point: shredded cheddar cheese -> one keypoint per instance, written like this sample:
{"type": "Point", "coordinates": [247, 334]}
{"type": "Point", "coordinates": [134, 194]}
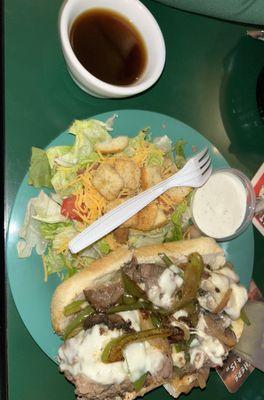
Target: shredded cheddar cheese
{"type": "Point", "coordinates": [89, 203]}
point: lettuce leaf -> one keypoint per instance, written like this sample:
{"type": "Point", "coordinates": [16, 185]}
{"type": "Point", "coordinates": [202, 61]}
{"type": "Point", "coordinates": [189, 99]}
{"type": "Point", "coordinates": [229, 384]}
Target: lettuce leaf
{"type": "Point", "coordinates": [176, 218]}
{"type": "Point", "coordinates": [39, 209]}
{"type": "Point", "coordinates": [65, 265]}
{"type": "Point", "coordinates": [30, 235]}
{"type": "Point", "coordinates": [39, 171]}
{"type": "Point", "coordinates": [55, 263]}
{"type": "Point", "coordinates": [49, 231]}
{"type": "Point", "coordinates": [155, 158]}
{"type": "Point", "coordinates": [109, 123]}
{"type": "Point", "coordinates": [102, 247]}
{"type": "Point", "coordinates": [56, 152]}
{"type": "Point", "coordinates": [143, 134]}
{"type": "Point", "coordinates": [61, 179]}
{"type": "Point", "coordinates": [63, 236]}
{"type": "Point", "coordinates": [93, 129]}
{"type": "Point", "coordinates": [47, 210]}
{"type": "Point", "coordinates": [163, 143]}
{"type": "Point", "coordinates": [177, 215]}
{"type": "Point", "coordinates": [139, 239]}
{"type": "Point", "coordinates": [180, 158]}
{"type": "Point", "coordinates": [87, 132]}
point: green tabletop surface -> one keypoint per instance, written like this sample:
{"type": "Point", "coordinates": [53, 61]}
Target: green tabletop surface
{"type": "Point", "coordinates": [209, 83]}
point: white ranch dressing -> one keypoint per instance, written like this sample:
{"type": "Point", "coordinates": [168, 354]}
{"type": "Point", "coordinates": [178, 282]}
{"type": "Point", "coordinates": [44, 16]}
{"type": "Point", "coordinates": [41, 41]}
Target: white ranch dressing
{"type": "Point", "coordinates": [219, 206]}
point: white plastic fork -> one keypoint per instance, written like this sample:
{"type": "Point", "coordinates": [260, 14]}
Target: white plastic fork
{"type": "Point", "coordinates": [194, 173]}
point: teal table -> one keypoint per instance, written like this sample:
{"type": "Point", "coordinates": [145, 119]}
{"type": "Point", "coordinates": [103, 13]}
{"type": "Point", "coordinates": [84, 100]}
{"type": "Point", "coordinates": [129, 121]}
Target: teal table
{"type": "Point", "coordinates": [209, 82]}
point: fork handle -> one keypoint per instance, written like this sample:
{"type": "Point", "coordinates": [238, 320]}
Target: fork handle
{"type": "Point", "coordinates": [114, 218]}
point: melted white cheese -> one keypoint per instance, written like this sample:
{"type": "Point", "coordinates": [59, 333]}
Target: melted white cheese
{"type": "Point", "coordinates": [237, 301]}
{"type": "Point", "coordinates": [208, 347]}
{"type": "Point", "coordinates": [168, 282]}
{"type": "Point", "coordinates": [142, 358]}
{"type": "Point", "coordinates": [180, 313]}
{"type": "Point", "coordinates": [82, 355]}
{"type": "Point", "coordinates": [215, 286]}
{"type": "Point", "coordinates": [223, 280]}
{"type": "Point", "coordinates": [219, 206]}
{"type": "Point", "coordinates": [132, 316]}
{"type": "Point", "coordinates": [197, 357]}
{"type": "Point", "coordinates": [229, 273]}
{"type": "Point", "coordinates": [178, 359]}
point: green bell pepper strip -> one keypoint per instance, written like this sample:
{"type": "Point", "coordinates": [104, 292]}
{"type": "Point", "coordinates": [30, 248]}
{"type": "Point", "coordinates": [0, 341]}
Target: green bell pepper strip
{"type": "Point", "coordinates": [167, 261]}
{"type": "Point", "coordinates": [156, 320]}
{"type": "Point", "coordinates": [191, 281]}
{"type": "Point", "coordinates": [77, 322]}
{"type": "Point", "coordinates": [139, 305]}
{"type": "Point", "coordinates": [113, 351]}
{"type": "Point", "coordinates": [73, 307]}
{"type": "Point", "coordinates": [139, 383]}
{"type": "Point", "coordinates": [125, 307]}
{"type": "Point", "coordinates": [128, 299]}
{"type": "Point", "coordinates": [132, 288]}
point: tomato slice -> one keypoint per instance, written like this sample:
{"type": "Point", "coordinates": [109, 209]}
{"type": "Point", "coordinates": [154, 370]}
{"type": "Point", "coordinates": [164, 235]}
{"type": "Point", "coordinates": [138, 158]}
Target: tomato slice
{"type": "Point", "coordinates": [68, 208]}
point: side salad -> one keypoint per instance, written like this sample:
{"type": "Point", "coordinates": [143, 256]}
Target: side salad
{"type": "Point", "coordinates": [81, 182]}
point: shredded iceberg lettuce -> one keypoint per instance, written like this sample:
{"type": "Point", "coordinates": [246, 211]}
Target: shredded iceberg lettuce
{"type": "Point", "coordinates": [180, 158]}
{"type": "Point", "coordinates": [87, 132]}
{"type": "Point", "coordinates": [49, 231]}
{"type": "Point", "coordinates": [163, 143]}
{"type": "Point", "coordinates": [47, 210]}
{"type": "Point", "coordinates": [39, 171]}
{"type": "Point", "coordinates": [176, 218]}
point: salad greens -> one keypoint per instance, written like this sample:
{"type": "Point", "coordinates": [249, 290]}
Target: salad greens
{"type": "Point", "coordinates": [180, 158]}
{"type": "Point", "coordinates": [51, 220]}
{"type": "Point", "coordinates": [39, 170]}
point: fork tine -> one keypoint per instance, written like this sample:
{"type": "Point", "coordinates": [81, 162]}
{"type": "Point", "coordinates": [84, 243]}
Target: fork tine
{"type": "Point", "coordinates": [193, 162]}
{"type": "Point", "coordinates": [200, 176]}
{"type": "Point", "coordinates": [198, 172]}
{"type": "Point", "coordinates": [206, 167]}
{"type": "Point", "coordinates": [198, 182]}
{"type": "Point", "coordinates": [199, 156]}
{"type": "Point", "coordinates": [206, 176]}
{"type": "Point", "coordinates": [204, 155]}
{"type": "Point", "coordinates": [205, 161]}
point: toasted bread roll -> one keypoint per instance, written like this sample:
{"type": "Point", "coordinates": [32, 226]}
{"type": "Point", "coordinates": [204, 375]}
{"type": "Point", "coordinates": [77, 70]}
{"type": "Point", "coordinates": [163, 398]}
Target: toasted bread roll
{"type": "Point", "coordinates": [103, 269]}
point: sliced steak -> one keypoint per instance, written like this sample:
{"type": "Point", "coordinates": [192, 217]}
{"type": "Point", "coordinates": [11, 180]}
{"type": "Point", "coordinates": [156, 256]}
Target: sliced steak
{"type": "Point", "coordinates": [147, 274]}
{"type": "Point", "coordinates": [103, 297]}
{"type": "Point", "coordinates": [89, 390]}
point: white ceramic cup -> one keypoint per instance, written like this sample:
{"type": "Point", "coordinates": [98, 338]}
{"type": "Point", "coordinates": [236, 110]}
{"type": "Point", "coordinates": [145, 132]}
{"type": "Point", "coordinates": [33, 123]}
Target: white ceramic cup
{"type": "Point", "coordinates": [145, 23]}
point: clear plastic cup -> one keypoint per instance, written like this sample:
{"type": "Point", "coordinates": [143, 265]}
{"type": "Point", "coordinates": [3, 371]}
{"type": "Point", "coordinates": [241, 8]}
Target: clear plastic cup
{"type": "Point", "coordinates": [249, 209]}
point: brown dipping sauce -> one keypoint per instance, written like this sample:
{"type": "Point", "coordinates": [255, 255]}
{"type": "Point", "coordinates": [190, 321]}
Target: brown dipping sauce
{"type": "Point", "coordinates": [108, 46]}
